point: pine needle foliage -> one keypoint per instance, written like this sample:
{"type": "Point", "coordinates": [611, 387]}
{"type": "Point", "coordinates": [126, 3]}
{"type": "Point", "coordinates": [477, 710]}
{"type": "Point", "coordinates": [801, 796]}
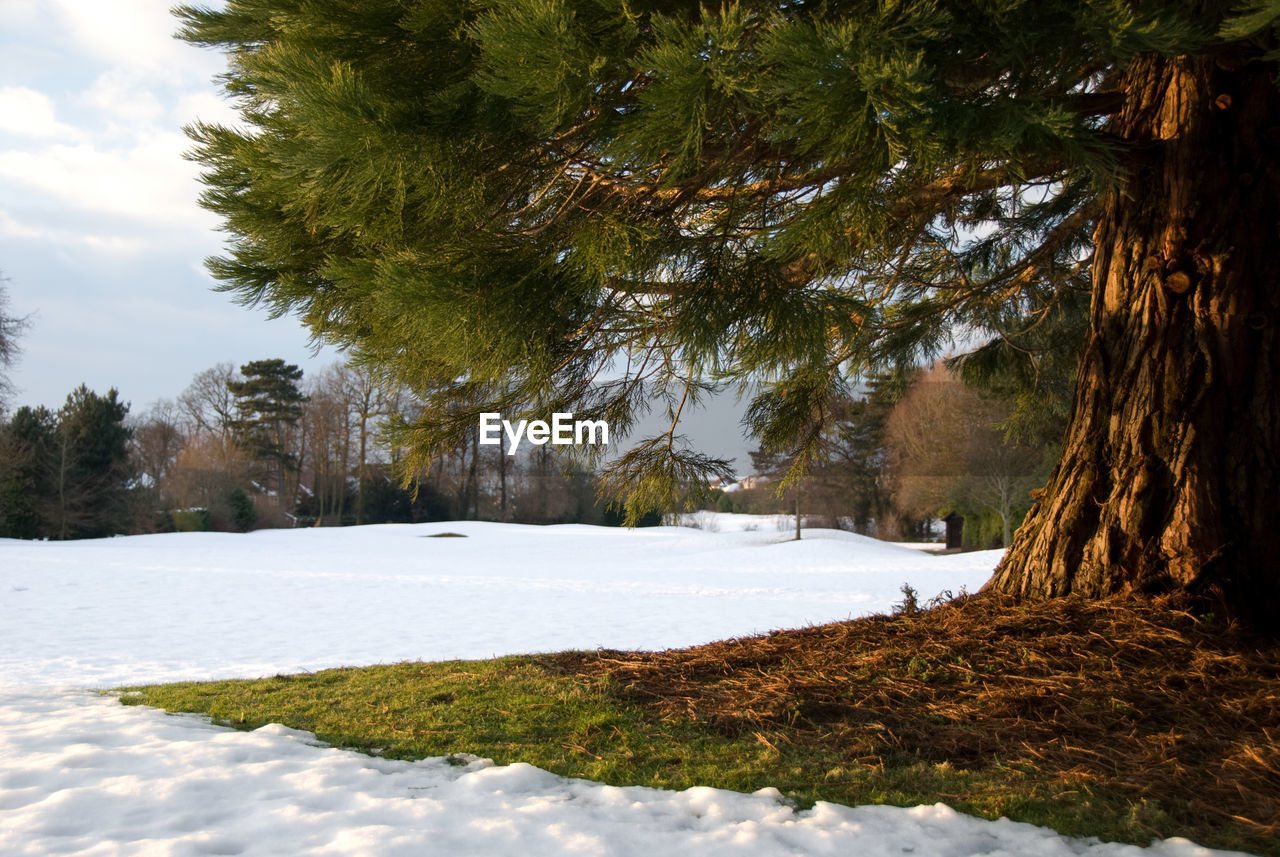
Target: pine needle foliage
{"type": "Point", "coordinates": [605, 206]}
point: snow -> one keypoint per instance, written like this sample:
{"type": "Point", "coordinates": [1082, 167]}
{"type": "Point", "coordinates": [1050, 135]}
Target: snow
{"type": "Point", "coordinates": [82, 774]}
{"type": "Point", "coordinates": [220, 605]}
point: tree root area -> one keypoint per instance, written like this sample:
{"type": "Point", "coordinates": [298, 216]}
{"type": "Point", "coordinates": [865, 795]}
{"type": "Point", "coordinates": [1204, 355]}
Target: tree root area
{"type": "Point", "coordinates": [1142, 696]}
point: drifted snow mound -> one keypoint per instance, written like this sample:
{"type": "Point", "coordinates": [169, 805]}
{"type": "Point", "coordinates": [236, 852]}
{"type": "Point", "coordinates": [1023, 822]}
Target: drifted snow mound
{"type": "Point", "coordinates": [85, 775]}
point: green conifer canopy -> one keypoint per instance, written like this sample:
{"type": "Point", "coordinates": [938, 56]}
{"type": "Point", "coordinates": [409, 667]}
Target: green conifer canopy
{"type": "Point", "coordinates": [597, 206]}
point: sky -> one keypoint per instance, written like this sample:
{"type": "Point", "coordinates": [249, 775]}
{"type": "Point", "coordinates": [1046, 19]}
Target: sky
{"type": "Point", "coordinates": [101, 239]}
{"type": "Point", "coordinates": [102, 242]}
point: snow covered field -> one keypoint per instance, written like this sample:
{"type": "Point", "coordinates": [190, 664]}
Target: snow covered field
{"type": "Point", "coordinates": [81, 774]}
{"type": "Point", "coordinates": [213, 605]}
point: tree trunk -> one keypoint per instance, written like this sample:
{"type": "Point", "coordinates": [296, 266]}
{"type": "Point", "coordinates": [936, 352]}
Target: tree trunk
{"type": "Point", "coordinates": [502, 485]}
{"type": "Point", "coordinates": [63, 466]}
{"type": "Point", "coordinates": [1004, 494]}
{"type": "Point", "coordinates": [1170, 472]}
{"type": "Point", "coordinates": [364, 455]}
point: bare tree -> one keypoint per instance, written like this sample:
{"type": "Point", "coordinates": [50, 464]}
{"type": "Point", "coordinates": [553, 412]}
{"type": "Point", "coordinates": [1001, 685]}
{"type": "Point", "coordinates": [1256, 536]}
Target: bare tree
{"type": "Point", "coordinates": [1001, 474]}
{"type": "Point", "coordinates": [208, 404]}
{"type": "Point", "coordinates": [11, 327]}
{"type": "Point", "coordinates": [326, 421]}
{"type": "Point", "coordinates": [949, 453]}
{"type": "Point", "coordinates": [204, 472]}
{"type": "Point", "coordinates": [925, 439]}
{"type": "Point", "coordinates": [156, 441]}
{"type": "Point", "coordinates": [158, 438]}
{"type": "Point", "coordinates": [368, 398]}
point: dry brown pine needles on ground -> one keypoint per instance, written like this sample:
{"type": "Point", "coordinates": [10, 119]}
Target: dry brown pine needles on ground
{"type": "Point", "coordinates": [1142, 695]}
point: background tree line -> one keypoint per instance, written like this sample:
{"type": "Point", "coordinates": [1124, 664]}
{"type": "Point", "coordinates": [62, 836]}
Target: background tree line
{"type": "Point", "coordinates": [918, 444]}
{"type": "Point", "coordinates": [260, 446]}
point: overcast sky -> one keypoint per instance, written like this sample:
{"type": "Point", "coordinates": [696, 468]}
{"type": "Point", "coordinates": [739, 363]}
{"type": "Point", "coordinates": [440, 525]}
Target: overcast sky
{"type": "Point", "coordinates": [101, 240]}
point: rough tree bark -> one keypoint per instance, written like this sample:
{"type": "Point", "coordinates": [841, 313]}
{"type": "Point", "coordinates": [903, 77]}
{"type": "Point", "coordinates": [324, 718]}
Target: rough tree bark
{"type": "Point", "coordinates": [1170, 473]}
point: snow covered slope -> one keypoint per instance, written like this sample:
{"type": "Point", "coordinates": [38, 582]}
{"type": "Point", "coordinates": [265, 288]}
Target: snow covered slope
{"type": "Point", "coordinates": [213, 605]}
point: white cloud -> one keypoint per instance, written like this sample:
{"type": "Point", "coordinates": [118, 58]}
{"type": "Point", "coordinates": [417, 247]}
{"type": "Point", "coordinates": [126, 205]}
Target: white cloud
{"type": "Point", "coordinates": [91, 153]}
{"type": "Point", "coordinates": [97, 202]}
{"type": "Point", "coordinates": [12, 227]}
{"type": "Point", "coordinates": [26, 112]}
{"type": "Point", "coordinates": [133, 34]}
{"type": "Point", "coordinates": [113, 243]}
{"type": "Point", "coordinates": [149, 181]}
{"type": "Point", "coordinates": [123, 98]}
{"type": "Point", "coordinates": [207, 107]}
{"type": "Point", "coordinates": [14, 13]}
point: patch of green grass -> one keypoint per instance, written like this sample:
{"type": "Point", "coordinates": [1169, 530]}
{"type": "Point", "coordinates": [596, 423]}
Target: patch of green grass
{"type": "Point", "coordinates": [529, 710]}
{"type": "Point", "coordinates": [508, 709]}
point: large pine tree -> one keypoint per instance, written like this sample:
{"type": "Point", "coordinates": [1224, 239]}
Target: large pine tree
{"type": "Point", "coordinates": [66, 475]}
{"type": "Point", "coordinates": [90, 469]}
{"type": "Point", "coordinates": [598, 205]}
{"type": "Point", "coordinates": [268, 402]}
{"type": "Point", "coordinates": [27, 442]}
